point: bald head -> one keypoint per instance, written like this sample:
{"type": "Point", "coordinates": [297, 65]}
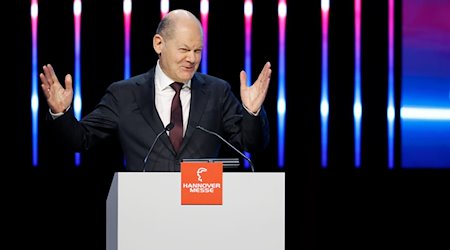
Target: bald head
{"type": "Point", "coordinates": [178, 42]}
{"type": "Point", "coordinates": [172, 20]}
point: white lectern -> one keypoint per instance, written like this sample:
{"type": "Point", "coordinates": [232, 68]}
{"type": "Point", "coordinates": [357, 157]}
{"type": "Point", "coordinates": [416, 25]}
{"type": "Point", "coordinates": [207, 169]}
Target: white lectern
{"type": "Point", "coordinates": [144, 211]}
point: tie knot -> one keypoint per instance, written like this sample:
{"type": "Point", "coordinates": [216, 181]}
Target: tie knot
{"type": "Point", "coordinates": [176, 86]}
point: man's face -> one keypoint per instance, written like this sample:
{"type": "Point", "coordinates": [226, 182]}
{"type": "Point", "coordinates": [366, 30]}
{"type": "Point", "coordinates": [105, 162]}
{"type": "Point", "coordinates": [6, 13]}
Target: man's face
{"type": "Point", "coordinates": [180, 54]}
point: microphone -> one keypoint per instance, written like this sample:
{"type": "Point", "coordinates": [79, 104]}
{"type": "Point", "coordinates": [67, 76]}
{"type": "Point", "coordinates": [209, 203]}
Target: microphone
{"type": "Point", "coordinates": [167, 128]}
{"type": "Point", "coordinates": [229, 144]}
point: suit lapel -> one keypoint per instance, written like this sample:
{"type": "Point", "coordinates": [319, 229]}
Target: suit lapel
{"type": "Point", "coordinates": [145, 96]}
{"type": "Point", "coordinates": [199, 100]}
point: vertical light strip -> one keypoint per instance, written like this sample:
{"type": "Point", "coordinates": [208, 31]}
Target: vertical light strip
{"type": "Point", "coordinates": [416, 113]}
{"type": "Point", "coordinates": [77, 70]}
{"type": "Point", "coordinates": [127, 5]}
{"type": "Point", "coordinates": [204, 12]}
{"type": "Point", "coordinates": [248, 14]}
{"type": "Point", "coordinates": [127, 8]}
{"type": "Point", "coordinates": [34, 82]}
{"type": "Point", "coordinates": [324, 103]}
{"type": "Point", "coordinates": [281, 102]}
{"type": "Point", "coordinates": [357, 109]}
{"type": "Point", "coordinates": [391, 103]}
{"type": "Point", "coordinates": [164, 5]}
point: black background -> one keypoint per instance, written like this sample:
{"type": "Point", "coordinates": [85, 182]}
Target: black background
{"type": "Point", "coordinates": [59, 206]}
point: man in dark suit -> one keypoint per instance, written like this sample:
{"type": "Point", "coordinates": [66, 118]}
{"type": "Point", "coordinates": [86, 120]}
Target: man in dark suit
{"type": "Point", "coordinates": [138, 109]}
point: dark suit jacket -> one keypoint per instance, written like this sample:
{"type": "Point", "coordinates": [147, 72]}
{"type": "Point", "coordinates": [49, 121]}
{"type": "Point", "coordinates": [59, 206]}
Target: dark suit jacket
{"type": "Point", "coordinates": [128, 110]}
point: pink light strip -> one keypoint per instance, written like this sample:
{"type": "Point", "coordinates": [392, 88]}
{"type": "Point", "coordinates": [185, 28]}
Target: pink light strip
{"type": "Point", "coordinates": [204, 12]}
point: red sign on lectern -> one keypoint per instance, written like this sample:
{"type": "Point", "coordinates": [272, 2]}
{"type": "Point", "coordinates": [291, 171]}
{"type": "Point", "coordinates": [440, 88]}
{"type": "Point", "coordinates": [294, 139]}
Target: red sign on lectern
{"type": "Point", "coordinates": [201, 183]}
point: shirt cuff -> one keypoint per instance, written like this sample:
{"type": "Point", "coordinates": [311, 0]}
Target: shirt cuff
{"type": "Point", "coordinates": [252, 113]}
{"type": "Point", "coordinates": [56, 115]}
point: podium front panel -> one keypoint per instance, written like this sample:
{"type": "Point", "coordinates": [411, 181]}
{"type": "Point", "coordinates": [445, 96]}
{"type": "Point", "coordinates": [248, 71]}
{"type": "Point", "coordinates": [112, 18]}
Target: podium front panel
{"type": "Point", "coordinates": [144, 211]}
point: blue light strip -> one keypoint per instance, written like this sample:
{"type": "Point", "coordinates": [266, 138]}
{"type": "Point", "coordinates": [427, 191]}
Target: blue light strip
{"type": "Point", "coordinates": [357, 107]}
{"type": "Point", "coordinates": [281, 103]}
{"type": "Point", "coordinates": [34, 82]}
{"type": "Point", "coordinates": [127, 9]}
{"type": "Point", "coordinates": [324, 103]}
{"type": "Point", "coordinates": [77, 74]}
{"type": "Point", "coordinates": [391, 92]}
{"type": "Point", "coordinates": [127, 5]}
{"type": "Point", "coordinates": [248, 13]}
{"type": "Point", "coordinates": [204, 12]}
{"type": "Point", "coordinates": [416, 113]}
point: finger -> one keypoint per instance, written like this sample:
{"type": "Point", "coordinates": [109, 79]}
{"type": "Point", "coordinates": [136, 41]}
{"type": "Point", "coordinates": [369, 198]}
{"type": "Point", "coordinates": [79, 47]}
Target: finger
{"type": "Point", "coordinates": [45, 87]}
{"type": "Point", "coordinates": [243, 78]}
{"type": "Point", "coordinates": [262, 75]}
{"type": "Point", "coordinates": [43, 80]}
{"type": "Point", "coordinates": [52, 74]}
{"type": "Point", "coordinates": [47, 74]}
{"type": "Point", "coordinates": [68, 82]}
{"type": "Point", "coordinates": [267, 71]}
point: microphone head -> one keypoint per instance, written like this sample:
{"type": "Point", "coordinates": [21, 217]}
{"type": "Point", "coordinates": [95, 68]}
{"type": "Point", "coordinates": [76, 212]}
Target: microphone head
{"type": "Point", "coordinates": [169, 126]}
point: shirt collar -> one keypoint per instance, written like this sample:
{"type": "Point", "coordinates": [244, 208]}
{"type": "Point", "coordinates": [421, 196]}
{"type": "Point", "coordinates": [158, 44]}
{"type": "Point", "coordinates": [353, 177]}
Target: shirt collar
{"type": "Point", "coordinates": [162, 81]}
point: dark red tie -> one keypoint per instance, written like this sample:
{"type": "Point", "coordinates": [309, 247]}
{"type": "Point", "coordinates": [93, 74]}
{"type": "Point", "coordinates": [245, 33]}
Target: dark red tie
{"type": "Point", "coordinates": [176, 117]}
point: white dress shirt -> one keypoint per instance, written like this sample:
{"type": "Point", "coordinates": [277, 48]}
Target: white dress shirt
{"type": "Point", "coordinates": [164, 95]}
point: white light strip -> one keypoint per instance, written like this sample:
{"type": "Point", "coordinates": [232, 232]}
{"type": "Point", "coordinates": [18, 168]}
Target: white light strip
{"type": "Point", "coordinates": [425, 114]}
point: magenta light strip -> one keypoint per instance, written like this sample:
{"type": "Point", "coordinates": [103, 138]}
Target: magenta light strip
{"type": "Point", "coordinates": [357, 108]}
{"type": "Point", "coordinates": [127, 5]}
{"type": "Point", "coordinates": [34, 82]}
{"type": "Point", "coordinates": [164, 5]}
{"type": "Point", "coordinates": [204, 12]}
{"type": "Point", "coordinates": [391, 92]}
{"type": "Point", "coordinates": [77, 65]}
{"type": "Point", "coordinates": [281, 102]}
{"type": "Point", "coordinates": [324, 101]}
{"type": "Point", "coordinates": [248, 14]}
{"type": "Point", "coordinates": [127, 8]}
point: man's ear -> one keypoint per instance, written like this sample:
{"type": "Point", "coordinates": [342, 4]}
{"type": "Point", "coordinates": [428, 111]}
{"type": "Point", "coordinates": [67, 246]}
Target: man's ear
{"type": "Point", "coordinates": [157, 43]}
